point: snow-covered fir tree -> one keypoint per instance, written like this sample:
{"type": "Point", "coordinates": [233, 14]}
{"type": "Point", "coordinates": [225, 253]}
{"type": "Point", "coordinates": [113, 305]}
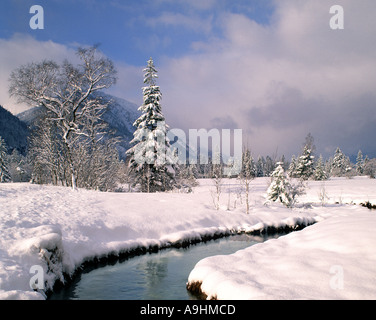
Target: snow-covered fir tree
{"type": "Point", "coordinates": [320, 173]}
{"type": "Point", "coordinates": [260, 167]}
{"type": "Point", "coordinates": [151, 162]}
{"type": "Point", "coordinates": [292, 167]}
{"type": "Point", "coordinates": [305, 164]}
{"type": "Point", "coordinates": [340, 164]}
{"type": "Point", "coordinates": [370, 167]}
{"type": "Point", "coordinates": [4, 172]}
{"type": "Point", "coordinates": [279, 189]}
{"type": "Point", "coordinates": [360, 163]}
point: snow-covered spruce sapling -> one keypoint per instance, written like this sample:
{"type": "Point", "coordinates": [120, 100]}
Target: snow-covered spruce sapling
{"type": "Point", "coordinates": [282, 190]}
{"type": "Point", "coordinates": [4, 172]}
{"type": "Point", "coordinates": [320, 173]}
{"type": "Point", "coordinates": [292, 167]}
{"type": "Point", "coordinates": [279, 188]}
{"type": "Point", "coordinates": [151, 162]}
{"type": "Point", "coordinates": [305, 164]}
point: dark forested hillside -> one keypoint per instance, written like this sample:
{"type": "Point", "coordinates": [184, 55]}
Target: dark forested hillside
{"type": "Point", "coordinates": [13, 131]}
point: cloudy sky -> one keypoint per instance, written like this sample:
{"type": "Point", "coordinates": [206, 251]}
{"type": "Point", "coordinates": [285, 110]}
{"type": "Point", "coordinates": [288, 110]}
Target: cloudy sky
{"type": "Point", "coordinates": [273, 68]}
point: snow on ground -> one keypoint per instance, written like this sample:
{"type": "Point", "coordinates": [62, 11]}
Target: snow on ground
{"type": "Point", "coordinates": [333, 259]}
{"type": "Point", "coordinates": [59, 229]}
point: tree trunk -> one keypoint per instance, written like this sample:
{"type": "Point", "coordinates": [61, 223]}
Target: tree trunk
{"type": "Point", "coordinates": [246, 195]}
{"type": "Point", "coordinates": [71, 164]}
{"type": "Point", "coordinates": [73, 178]}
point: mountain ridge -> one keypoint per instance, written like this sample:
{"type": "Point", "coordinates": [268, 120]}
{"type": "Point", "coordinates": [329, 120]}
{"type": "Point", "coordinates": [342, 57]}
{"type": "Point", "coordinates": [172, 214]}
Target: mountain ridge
{"type": "Point", "coordinates": [119, 115]}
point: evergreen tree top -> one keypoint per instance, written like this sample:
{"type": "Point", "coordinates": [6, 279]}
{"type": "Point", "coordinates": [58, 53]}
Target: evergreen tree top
{"type": "Point", "coordinates": [150, 73]}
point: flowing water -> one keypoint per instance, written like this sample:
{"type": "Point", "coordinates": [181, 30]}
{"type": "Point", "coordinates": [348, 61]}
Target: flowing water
{"type": "Point", "coordinates": [162, 275]}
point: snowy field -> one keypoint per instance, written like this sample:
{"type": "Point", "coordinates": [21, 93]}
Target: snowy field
{"type": "Point", "coordinates": [333, 259]}
{"type": "Point", "coordinates": [59, 229]}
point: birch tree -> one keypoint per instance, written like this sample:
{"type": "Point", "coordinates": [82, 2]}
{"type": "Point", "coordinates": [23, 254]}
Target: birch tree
{"type": "Point", "coordinates": [247, 174]}
{"type": "Point", "coordinates": [66, 92]}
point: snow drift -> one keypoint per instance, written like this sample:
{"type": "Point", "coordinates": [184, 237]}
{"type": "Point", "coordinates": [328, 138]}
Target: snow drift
{"type": "Point", "coordinates": [60, 229]}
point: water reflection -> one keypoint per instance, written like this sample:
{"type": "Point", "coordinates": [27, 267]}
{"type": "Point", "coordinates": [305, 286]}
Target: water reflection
{"type": "Point", "coordinates": [161, 275]}
{"type": "Point", "coordinates": [154, 273]}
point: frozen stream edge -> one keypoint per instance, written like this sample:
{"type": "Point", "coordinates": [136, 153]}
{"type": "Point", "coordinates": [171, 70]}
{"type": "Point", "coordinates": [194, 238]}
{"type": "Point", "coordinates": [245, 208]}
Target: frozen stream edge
{"type": "Point", "coordinates": [64, 279]}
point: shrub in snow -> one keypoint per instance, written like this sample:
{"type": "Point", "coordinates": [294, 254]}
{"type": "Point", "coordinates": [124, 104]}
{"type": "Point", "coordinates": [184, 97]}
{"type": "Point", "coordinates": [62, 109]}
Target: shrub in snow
{"type": "Point", "coordinates": [20, 167]}
{"type": "Point", "coordinates": [186, 174]}
{"type": "Point", "coordinates": [370, 167]}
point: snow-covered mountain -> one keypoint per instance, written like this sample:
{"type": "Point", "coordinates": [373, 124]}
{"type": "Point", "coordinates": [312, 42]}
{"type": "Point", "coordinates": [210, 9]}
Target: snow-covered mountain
{"type": "Point", "coordinates": [120, 116]}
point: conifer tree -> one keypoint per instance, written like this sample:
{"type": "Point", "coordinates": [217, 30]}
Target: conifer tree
{"type": "Point", "coordinates": [279, 189]}
{"type": "Point", "coordinates": [320, 173]}
{"type": "Point", "coordinates": [151, 161]}
{"type": "Point", "coordinates": [360, 163]}
{"type": "Point", "coordinates": [304, 167]}
{"type": "Point", "coordinates": [292, 167]}
{"type": "Point", "coordinates": [259, 167]}
{"type": "Point", "coordinates": [340, 164]}
{"type": "Point", "coordinates": [4, 172]}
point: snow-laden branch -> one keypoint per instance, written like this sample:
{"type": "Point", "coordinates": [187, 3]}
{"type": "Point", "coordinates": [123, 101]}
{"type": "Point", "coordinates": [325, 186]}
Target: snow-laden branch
{"type": "Point", "coordinates": [66, 92]}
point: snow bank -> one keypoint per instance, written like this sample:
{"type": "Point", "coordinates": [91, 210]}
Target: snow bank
{"type": "Point", "coordinates": [59, 229]}
{"type": "Point", "coordinates": [334, 259]}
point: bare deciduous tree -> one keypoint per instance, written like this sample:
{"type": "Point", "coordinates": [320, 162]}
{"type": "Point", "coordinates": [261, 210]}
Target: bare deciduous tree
{"type": "Point", "coordinates": [67, 93]}
{"type": "Point", "coordinates": [247, 174]}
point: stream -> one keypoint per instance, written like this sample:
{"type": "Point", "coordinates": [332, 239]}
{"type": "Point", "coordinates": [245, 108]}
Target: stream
{"type": "Point", "coordinates": [152, 276]}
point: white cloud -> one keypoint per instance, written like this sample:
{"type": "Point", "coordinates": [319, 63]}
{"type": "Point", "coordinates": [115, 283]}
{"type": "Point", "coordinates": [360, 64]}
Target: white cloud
{"type": "Point", "coordinates": [20, 50]}
{"type": "Point", "coordinates": [276, 81]}
{"type": "Point", "coordinates": [294, 68]}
